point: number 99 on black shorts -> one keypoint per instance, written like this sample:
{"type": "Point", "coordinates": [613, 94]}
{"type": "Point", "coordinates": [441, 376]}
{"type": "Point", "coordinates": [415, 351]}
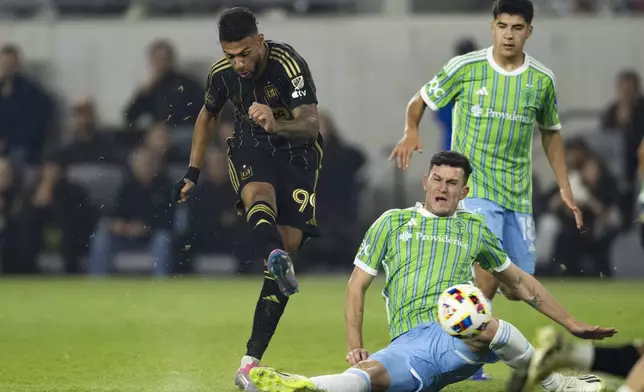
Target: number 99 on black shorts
{"type": "Point", "coordinates": [294, 184]}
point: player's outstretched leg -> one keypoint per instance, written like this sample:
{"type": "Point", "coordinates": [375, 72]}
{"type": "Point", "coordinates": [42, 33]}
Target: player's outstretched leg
{"type": "Point", "coordinates": [270, 380]}
{"type": "Point", "coordinates": [278, 285]}
{"type": "Point", "coordinates": [509, 344]}
{"type": "Point", "coordinates": [554, 352]}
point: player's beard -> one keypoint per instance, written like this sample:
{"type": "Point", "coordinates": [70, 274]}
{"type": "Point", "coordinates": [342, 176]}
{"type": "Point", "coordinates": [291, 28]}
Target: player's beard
{"type": "Point", "coordinates": [258, 67]}
{"type": "Point", "coordinates": [255, 72]}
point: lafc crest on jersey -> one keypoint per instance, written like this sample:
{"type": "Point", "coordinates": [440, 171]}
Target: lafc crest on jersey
{"type": "Point", "coordinates": [271, 92]}
{"type": "Point", "coordinates": [246, 172]}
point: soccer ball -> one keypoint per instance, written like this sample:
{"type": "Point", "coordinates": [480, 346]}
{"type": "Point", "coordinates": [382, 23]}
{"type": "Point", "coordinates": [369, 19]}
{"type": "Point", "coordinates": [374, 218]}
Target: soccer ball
{"type": "Point", "coordinates": [463, 311]}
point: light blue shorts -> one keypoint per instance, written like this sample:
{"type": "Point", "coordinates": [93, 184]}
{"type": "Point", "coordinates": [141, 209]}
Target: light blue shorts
{"type": "Point", "coordinates": [515, 231]}
{"type": "Point", "coordinates": [428, 359]}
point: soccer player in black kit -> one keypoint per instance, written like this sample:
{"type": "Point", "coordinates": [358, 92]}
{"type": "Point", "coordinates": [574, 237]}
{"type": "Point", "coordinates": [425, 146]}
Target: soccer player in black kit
{"type": "Point", "coordinates": [274, 157]}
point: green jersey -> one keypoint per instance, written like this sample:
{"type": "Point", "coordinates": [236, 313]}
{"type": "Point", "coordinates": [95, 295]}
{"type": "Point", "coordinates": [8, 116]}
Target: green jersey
{"type": "Point", "coordinates": [493, 121]}
{"type": "Point", "coordinates": [422, 255]}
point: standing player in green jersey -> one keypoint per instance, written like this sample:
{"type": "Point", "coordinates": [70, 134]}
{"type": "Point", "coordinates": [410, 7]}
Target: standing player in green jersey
{"type": "Point", "coordinates": [499, 93]}
{"type": "Point", "coordinates": [423, 250]}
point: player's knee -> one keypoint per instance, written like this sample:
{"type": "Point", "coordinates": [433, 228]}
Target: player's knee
{"type": "Point", "coordinates": [258, 191]}
{"type": "Point", "coordinates": [378, 375]}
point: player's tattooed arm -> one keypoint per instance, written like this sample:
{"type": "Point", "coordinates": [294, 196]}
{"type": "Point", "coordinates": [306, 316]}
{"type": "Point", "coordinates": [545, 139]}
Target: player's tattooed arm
{"type": "Point", "coordinates": [534, 299]}
{"type": "Point", "coordinates": [305, 122]}
{"type": "Point", "coordinates": [525, 287]}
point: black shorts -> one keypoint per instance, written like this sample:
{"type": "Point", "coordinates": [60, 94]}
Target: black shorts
{"type": "Point", "coordinates": [294, 185]}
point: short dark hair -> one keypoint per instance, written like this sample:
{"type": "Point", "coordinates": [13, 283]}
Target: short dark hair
{"type": "Point", "coordinates": [523, 8]}
{"type": "Point", "coordinates": [453, 159]}
{"type": "Point", "coordinates": [236, 23]}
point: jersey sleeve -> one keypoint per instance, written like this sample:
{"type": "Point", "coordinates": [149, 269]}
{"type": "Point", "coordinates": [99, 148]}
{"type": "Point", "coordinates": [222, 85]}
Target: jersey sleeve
{"type": "Point", "coordinates": [300, 88]}
{"type": "Point", "coordinates": [548, 115]}
{"type": "Point", "coordinates": [491, 256]}
{"type": "Point", "coordinates": [444, 87]}
{"type": "Point", "coordinates": [374, 245]}
{"type": "Point", "coordinates": [216, 90]}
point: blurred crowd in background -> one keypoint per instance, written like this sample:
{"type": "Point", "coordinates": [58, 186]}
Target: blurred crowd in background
{"type": "Point", "coordinates": [80, 197]}
{"type": "Point", "coordinates": [138, 8]}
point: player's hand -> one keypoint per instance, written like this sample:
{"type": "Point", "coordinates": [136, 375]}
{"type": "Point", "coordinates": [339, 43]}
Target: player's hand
{"type": "Point", "coordinates": [356, 355]}
{"type": "Point", "coordinates": [262, 115]}
{"type": "Point", "coordinates": [569, 201]}
{"type": "Point", "coordinates": [586, 331]}
{"type": "Point", "coordinates": [182, 187]}
{"type": "Point", "coordinates": [405, 148]}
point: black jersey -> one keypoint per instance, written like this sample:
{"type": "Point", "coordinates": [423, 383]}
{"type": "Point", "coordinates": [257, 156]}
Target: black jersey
{"type": "Point", "coordinates": [285, 84]}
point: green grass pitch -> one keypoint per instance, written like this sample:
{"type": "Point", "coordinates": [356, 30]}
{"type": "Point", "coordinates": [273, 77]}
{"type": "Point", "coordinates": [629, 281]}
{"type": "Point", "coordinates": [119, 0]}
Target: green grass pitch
{"type": "Point", "coordinates": [189, 334]}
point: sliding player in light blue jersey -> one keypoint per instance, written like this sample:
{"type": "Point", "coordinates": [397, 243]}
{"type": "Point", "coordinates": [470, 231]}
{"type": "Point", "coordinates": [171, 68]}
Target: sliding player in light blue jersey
{"type": "Point", "coordinates": [423, 250]}
{"type": "Point", "coordinates": [499, 95]}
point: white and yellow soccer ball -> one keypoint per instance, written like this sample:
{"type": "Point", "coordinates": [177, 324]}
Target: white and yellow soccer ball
{"type": "Point", "coordinates": [463, 311]}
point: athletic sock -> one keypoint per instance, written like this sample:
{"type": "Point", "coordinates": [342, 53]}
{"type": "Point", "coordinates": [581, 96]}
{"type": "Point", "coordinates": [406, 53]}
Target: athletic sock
{"type": "Point", "coordinates": [261, 218]}
{"type": "Point", "coordinates": [268, 311]}
{"type": "Point", "coordinates": [582, 356]}
{"type": "Point", "coordinates": [353, 380]}
{"type": "Point", "coordinates": [617, 361]}
{"type": "Point", "coordinates": [246, 360]}
{"type": "Point", "coordinates": [514, 350]}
